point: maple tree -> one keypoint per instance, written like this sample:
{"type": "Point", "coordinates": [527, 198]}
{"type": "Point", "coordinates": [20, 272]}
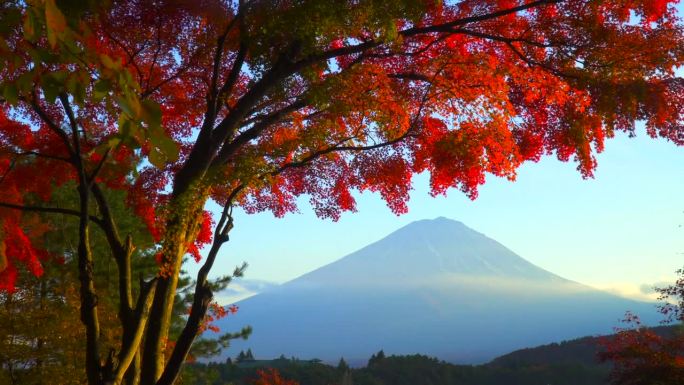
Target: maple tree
{"type": "Point", "coordinates": [271, 376]}
{"type": "Point", "coordinates": [641, 356]}
{"type": "Point", "coordinates": [255, 103]}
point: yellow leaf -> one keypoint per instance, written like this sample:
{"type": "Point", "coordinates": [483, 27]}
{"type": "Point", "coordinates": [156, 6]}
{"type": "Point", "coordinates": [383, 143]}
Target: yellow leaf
{"type": "Point", "coordinates": [55, 21]}
{"type": "Point", "coordinates": [108, 62]}
{"type": "Point", "coordinates": [3, 256]}
{"type": "Point", "coordinates": [29, 26]}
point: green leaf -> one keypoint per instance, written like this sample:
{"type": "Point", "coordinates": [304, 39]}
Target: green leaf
{"type": "Point", "coordinates": [164, 148]}
{"type": "Point", "coordinates": [50, 91]}
{"type": "Point", "coordinates": [76, 85]}
{"type": "Point", "coordinates": [130, 105]}
{"type": "Point", "coordinates": [11, 93]}
{"type": "Point", "coordinates": [41, 56]}
{"type": "Point", "coordinates": [52, 84]}
{"type": "Point", "coordinates": [25, 81]}
{"type": "Point", "coordinates": [151, 114]}
{"type": "Point", "coordinates": [127, 130]}
{"type": "Point", "coordinates": [157, 158]}
{"type": "Point", "coordinates": [11, 18]}
{"type": "Point", "coordinates": [169, 148]}
{"type": "Point", "coordinates": [79, 93]}
{"type": "Point", "coordinates": [59, 76]}
{"type": "Point", "coordinates": [113, 142]}
{"type": "Point", "coordinates": [101, 89]}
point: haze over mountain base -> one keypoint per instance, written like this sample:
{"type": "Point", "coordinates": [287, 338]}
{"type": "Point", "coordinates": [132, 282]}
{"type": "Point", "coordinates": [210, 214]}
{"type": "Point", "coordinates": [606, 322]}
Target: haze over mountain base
{"type": "Point", "coordinates": [434, 287]}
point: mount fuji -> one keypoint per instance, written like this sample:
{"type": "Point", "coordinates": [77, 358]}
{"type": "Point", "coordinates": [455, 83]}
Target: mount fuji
{"type": "Point", "coordinates": [433, 287]}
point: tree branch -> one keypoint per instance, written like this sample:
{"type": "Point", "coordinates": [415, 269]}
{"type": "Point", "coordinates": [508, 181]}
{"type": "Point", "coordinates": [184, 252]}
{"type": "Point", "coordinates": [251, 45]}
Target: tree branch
{"type": "Point", "coordinates": [89, 301]}
{"type": "Point", "coordinates": [142, 314]}
{"type": "Point", "coordinates": [410, 76]}
{"type": "Point", "coordinates": [49, 210]}
{"type": "Point", "coordinates": [447, 27]}
{"type": "Point", "coordinates": [253, 132]}
{"type": "Point", "coordinates": [41, 155]}
{"type": "Point", "coordinates": [121, 253]}
{"type": "Point", "coordinates": [52, 126]}
{"type": "Point", "coordinates": [98, 167]}
{"type": "Point", "coordinates": [234, 74]}
{"type": "Point", "coordinates": [213, 92]}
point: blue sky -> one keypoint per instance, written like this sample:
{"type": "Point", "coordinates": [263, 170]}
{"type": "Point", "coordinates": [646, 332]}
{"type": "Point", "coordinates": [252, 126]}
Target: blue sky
{"type": "Point", "coordinates": [619, 231]}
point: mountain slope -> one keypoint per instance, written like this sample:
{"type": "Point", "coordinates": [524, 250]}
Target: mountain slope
{"type": "Point", "coordinates": [433, 287]}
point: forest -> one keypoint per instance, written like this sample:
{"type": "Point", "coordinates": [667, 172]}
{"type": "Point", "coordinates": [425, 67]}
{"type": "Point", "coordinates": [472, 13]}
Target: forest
{"type": "Point", "coordinates": [397, 370]}
{"type": "Point", "coordinates": [570, 362]}
{"type": "Point", "coordinates": [132, 131]}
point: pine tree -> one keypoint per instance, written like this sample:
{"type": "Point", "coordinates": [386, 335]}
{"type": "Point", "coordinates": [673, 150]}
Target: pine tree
{"type": "Point", "coordinates": [240, 357]}
{"type": "Point", "coordinates": [342, 365]}
{"type": "Point", "coordinates": [376, 358]}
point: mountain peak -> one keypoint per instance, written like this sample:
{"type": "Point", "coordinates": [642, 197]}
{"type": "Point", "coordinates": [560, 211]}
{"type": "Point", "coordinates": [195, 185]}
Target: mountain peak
{"type": "Point", "coordinates": [438, 221]}
{"type": "Point", "coordinates": [430, 248]}
{"type": "Point", "coordinates": [432, 228]}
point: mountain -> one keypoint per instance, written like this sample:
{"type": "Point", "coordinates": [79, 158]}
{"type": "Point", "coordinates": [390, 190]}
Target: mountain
{"type": "Point", "coordinates": [433, 287]}
{"type": "Point", "coordinates": [578, 352]}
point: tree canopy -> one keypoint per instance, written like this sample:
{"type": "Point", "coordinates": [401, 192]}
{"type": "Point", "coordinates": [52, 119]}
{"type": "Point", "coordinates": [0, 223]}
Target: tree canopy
{"type": "Point", "coordinates": [255, 103]}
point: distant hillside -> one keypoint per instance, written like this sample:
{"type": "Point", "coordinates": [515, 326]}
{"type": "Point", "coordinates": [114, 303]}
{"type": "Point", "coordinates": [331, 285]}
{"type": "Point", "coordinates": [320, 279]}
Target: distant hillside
{"type": "Point", "coordinates": [566, 363]}
{"type": "Point", "coordinates": [580, 351]}
{"type": "Point", "coordinates": [433, 286]}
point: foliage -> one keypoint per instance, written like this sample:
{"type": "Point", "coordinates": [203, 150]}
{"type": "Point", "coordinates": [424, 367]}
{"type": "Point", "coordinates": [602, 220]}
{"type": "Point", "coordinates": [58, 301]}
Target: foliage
{"type": "Point", "coordinates": [171, 103]}
{"type": "Point", "coordinates": [271, 377]}
{"type": "Point", "coordinates": [642, 357]}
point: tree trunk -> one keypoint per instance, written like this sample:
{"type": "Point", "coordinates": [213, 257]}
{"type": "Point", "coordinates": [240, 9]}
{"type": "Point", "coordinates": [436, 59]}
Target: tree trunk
{"type": "Point", "coordinates": [181, 229]}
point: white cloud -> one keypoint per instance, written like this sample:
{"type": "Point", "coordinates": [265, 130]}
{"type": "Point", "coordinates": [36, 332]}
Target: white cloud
{"type": "Point", "coordinates": [650, 288]}
{"type": "Point", "coordinates": [241, 289]}
{"type": "Point", "coordinates": [643, 292]}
